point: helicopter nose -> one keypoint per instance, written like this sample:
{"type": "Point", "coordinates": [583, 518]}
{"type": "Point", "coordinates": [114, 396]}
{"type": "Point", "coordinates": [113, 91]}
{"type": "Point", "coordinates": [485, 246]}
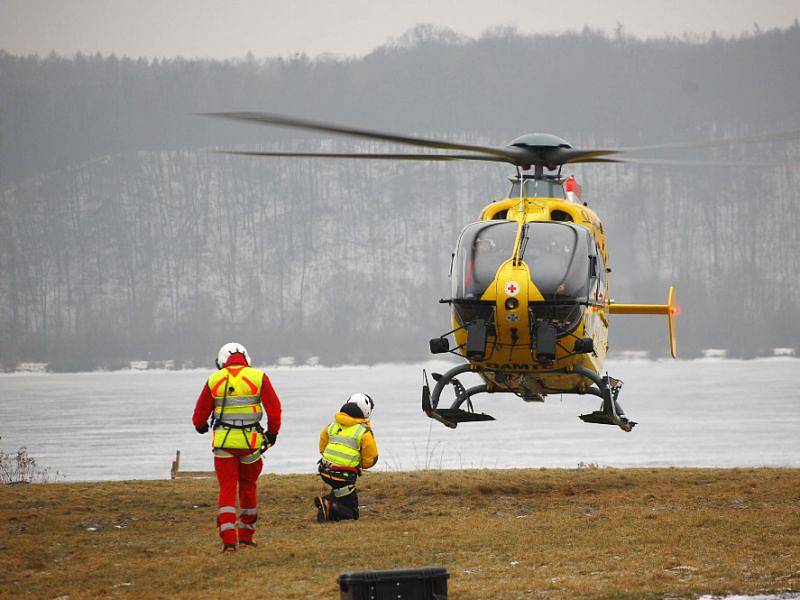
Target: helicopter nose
{"type": "Point", "coordinates": [512, 301]}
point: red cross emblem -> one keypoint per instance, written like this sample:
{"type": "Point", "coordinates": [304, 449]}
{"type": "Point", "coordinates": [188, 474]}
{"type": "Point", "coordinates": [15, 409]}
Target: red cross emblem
{"type": "Point", "coordinates": [512, 288]}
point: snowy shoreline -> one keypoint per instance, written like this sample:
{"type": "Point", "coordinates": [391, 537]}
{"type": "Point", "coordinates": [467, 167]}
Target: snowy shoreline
{"type": "Point", "coordinates": [694, 413]}
{"type": "Point", "coordinates": [618, 359]}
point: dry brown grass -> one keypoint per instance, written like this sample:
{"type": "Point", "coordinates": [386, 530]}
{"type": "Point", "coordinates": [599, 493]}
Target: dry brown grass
{"type": "Point", "coordinates": [599, 533]}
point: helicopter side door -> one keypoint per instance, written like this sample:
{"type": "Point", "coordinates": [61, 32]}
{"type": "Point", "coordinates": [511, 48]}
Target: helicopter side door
{"type": "Point", "coordinates": [598, 284]}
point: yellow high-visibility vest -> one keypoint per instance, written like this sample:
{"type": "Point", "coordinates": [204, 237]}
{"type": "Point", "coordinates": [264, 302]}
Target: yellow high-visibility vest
{"type": "Point", "coordinates": [344, 444]}
{"type": "Point", "coordinates": [237, 408]}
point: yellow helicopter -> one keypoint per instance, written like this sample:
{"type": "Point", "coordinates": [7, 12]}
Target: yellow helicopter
{"type": "Point", "coordinates": [530, 297]}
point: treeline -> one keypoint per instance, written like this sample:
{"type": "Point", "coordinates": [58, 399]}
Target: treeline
{"type": "Point", "coordinates": [124, 238]}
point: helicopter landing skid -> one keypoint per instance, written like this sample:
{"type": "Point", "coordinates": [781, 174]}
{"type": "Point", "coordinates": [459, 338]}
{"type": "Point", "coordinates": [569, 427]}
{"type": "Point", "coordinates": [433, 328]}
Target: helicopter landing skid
{"type": "Point", "coordinates": [610, 412]}
{"type": "Point", "coordinates": [454, 415]}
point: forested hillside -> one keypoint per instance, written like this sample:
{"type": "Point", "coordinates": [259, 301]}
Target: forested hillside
{"type": "Point", "coordinates": [122, 236]}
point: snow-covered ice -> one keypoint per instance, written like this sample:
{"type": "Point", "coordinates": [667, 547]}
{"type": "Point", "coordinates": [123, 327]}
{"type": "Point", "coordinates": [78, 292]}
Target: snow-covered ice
{"type": "Point", "coordinates": [128, 424]}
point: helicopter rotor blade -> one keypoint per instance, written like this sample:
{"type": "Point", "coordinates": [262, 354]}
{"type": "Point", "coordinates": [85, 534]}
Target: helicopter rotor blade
{"type": "Point", "coordinates": [702, 163]}
{"type": "Point", "coordinates": [479, 157]}
{"type": "Point", "coordinates": [287, 121]}
{"type": "Point", "coordinates": [598, 160]}
{"type": "Point", "coordinates": [782, 136]}
{"type": "Point", "coordinates": [689, 163]}
{"type": "Point", "coordinates": [576, 155]}
{"type": "Point", "coordinates": [686, 162]}
{"type": "Point", "coordinates": [369, 155]}
{"type": "Point", "coordinates": [520, 155]}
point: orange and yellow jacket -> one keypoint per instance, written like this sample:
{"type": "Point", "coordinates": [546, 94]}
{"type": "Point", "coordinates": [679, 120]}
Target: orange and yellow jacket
{"type": "Point", "coordinates": [369, 449]}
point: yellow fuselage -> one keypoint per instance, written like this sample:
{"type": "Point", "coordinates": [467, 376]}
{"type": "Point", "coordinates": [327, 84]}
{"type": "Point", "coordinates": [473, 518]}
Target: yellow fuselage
{"type": "Point", "coordinates": [510, 362]}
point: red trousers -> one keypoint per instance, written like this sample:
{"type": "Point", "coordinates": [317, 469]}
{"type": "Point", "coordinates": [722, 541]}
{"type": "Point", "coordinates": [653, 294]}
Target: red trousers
{"type": "Point", "coordinates": [231, 475]}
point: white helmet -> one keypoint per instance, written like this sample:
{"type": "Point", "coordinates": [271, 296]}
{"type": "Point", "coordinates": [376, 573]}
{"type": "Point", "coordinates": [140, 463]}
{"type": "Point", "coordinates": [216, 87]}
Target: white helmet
{"type": "Point", "coordinates": [364, 402]}
{"type": "Point", "coordinates": [229, 349]}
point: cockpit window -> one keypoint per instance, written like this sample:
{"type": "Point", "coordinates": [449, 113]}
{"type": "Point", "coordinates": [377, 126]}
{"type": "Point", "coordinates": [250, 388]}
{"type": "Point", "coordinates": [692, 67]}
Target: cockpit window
{"type": "Point", "coordinates": [482, 248]}
{"type": "Point", "coordinates": [537, 188]}
{"type": "Point", "coordinates": [557, 256]}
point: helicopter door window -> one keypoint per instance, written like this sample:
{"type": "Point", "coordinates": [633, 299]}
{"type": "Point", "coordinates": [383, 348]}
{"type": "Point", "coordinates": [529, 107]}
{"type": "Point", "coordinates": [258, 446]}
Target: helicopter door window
{"type": "Point", "coordinates": [544, 188]}
{"type": "Point", "coordinates": [538, 188]}
{"type": "Point", "coordinates": [482, 248]}
{"type": "Point", "coordinates": [601, 277]}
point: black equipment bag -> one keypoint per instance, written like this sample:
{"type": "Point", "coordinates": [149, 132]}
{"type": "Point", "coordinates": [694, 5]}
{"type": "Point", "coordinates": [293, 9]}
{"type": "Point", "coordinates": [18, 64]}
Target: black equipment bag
{"type": "Point", "coordinates": [427, 583]}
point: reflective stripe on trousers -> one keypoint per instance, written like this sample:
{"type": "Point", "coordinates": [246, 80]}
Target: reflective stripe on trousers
{"type": "Point", "coordinates": [344, 491]}
{"type": "Point", "coordinates": [242, 511]}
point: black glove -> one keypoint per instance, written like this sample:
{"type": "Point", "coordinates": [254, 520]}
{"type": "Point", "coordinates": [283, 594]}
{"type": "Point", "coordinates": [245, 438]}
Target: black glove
{"type": "Point", "coordinates": [202, 428]}
{"type": "Point", "coordinates": [271, 438]}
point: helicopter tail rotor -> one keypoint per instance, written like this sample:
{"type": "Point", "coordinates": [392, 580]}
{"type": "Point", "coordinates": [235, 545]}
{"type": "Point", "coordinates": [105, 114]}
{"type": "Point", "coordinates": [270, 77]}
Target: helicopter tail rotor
{"type": "Point", "coordinates": [670, 309]}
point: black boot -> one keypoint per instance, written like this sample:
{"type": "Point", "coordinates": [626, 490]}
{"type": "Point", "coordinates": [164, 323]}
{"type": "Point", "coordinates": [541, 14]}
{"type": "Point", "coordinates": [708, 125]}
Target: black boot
{"type": "Point", "coordinates": [324, 511]}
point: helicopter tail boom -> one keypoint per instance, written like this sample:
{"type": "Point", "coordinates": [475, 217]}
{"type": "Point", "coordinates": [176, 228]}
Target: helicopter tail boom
{"type": "Point", "coordinates": [670, 309]}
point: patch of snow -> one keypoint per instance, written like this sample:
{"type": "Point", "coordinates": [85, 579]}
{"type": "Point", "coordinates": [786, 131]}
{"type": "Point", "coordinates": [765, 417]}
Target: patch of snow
{"type": "Point", "coordinates": [627, 355]}
{"type": "Point", "coordinates": [31, 367]}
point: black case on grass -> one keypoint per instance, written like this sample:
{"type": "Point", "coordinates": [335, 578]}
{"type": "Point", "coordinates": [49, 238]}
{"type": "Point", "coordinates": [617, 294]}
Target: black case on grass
{"type": "Point", "coordinates": [427, 583]}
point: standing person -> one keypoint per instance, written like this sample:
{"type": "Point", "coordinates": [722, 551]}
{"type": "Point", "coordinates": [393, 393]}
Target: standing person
{"type": "Point", "coordinates": [238, 395]}
{"type": "Point", "coordinates": [347, 445]}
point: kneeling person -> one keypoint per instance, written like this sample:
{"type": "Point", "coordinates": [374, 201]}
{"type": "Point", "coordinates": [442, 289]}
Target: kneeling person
{"type": "Point", "coordinates": [347, 445]}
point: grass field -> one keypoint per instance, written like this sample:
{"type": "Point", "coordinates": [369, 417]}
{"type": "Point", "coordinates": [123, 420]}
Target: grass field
{"type": "Point", "coordinates": [595, 533]}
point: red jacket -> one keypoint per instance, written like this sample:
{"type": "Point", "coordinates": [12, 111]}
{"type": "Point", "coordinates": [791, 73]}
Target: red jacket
{"type": "Point", "coordinates": [269, 400]}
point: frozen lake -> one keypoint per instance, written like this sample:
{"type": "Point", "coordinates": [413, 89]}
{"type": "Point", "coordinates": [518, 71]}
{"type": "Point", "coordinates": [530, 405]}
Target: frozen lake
{"type": "Point", "coordinates": [128, 424]}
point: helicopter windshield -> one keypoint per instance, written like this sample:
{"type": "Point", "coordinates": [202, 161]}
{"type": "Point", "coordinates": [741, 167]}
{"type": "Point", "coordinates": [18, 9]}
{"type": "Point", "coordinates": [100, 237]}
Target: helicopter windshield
{"type": "Point", "coordinates": [482, 248]}
{"type": "Point", "coordinates": [557, 256]}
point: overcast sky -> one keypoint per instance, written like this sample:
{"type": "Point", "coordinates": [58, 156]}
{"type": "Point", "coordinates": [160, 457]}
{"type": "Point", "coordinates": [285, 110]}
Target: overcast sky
{"type": "Point", "coordinates": [232, 28]}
